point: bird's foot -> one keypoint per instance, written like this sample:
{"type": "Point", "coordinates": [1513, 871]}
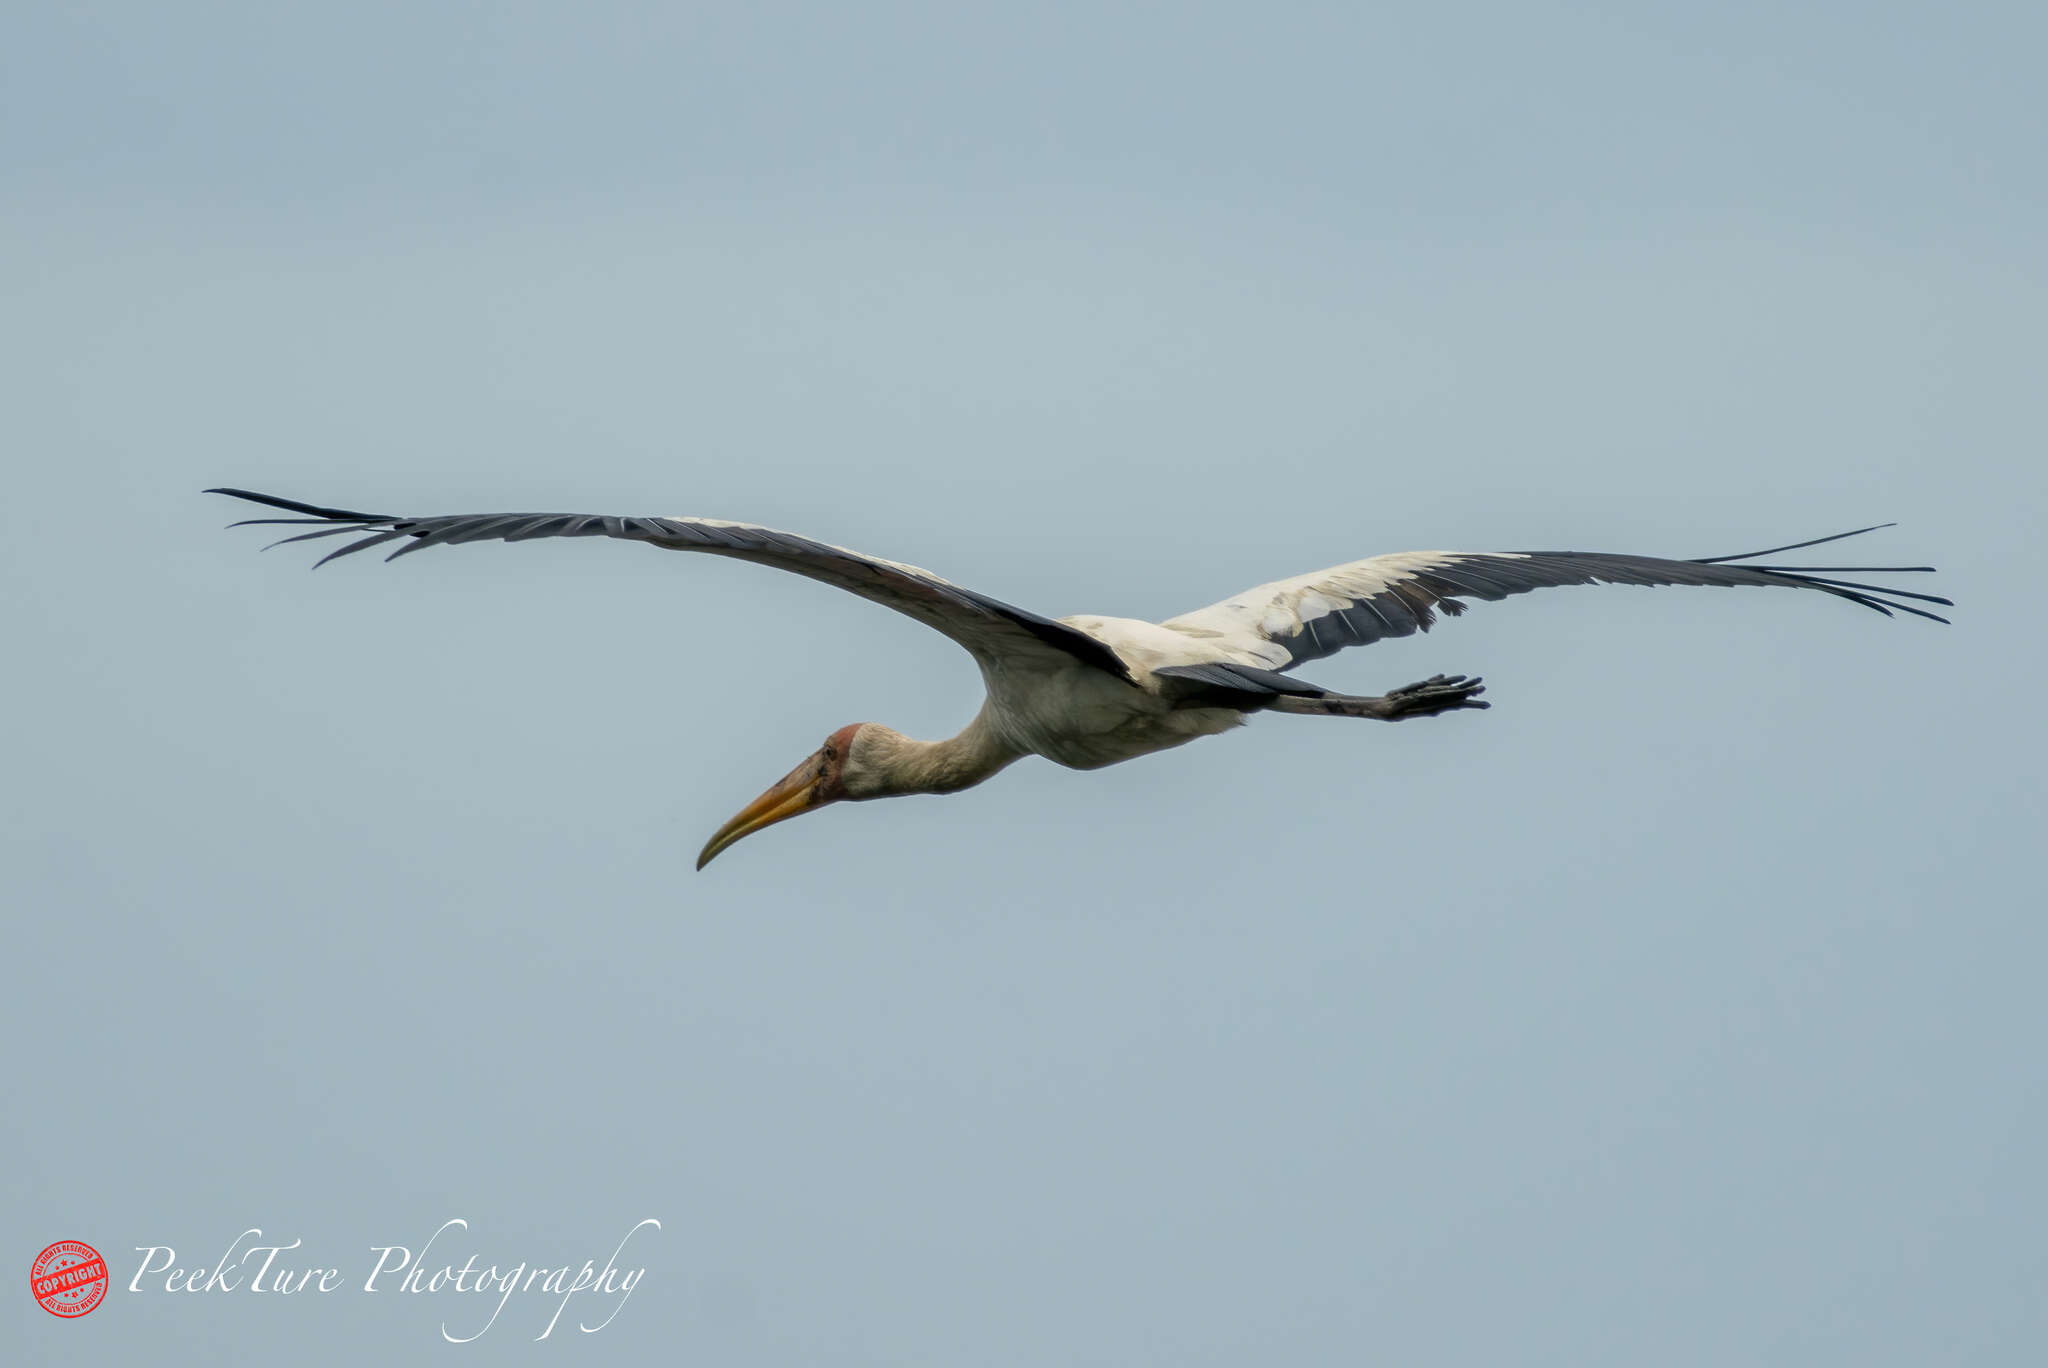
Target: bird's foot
{"type": "Point", "coordinates": [1436, 694]}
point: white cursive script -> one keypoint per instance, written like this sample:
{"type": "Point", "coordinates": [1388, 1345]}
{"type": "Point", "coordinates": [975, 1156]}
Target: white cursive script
{"type": "Point", "coordinates": [252, 1267]}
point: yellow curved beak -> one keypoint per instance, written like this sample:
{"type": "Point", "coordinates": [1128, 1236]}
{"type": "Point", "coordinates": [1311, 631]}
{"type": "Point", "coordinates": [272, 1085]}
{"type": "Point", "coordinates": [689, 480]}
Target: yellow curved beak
{"type": "Point", "coordinates": [797, 792]}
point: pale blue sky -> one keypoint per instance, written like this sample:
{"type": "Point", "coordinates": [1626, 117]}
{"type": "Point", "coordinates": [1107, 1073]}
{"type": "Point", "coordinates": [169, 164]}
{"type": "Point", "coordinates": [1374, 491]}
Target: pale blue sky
{"type": "Point", "coordinates": [1682, 1009]}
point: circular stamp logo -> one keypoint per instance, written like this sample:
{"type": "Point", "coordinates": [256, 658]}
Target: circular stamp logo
{"type": "Point", "coordinates": [68, 1279]}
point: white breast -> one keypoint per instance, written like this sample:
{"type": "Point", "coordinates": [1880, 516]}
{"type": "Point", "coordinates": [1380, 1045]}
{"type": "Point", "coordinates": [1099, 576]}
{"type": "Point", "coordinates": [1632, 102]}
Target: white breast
{"type": "Point", "coordinates": [1080, 717]}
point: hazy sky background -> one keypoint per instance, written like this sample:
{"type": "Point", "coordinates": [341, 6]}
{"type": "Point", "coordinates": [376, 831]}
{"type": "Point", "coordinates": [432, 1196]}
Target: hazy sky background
{"type": "Point", "coordinates": [1683, 1009]}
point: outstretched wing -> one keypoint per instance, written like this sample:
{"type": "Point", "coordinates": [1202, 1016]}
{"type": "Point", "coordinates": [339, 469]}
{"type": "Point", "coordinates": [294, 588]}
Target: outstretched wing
{"type": "Point", "coordinates": [1280, 625]}
{"type": "Point", "coordinates": [998, 635]}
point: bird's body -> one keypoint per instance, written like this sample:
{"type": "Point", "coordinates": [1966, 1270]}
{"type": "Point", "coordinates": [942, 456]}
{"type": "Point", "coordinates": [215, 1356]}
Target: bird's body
{"type": "Point", "coordinates": [1086, 691]}
{"type": "Point", "coordinates": [1084, 718]}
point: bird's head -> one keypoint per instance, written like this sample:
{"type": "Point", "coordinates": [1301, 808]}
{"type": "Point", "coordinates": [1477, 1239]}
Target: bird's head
{"type": "Point", "coordinates": [847, 766]}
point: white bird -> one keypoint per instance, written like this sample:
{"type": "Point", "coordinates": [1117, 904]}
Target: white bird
{"type": "Point", "coordinates": [1085, 692]}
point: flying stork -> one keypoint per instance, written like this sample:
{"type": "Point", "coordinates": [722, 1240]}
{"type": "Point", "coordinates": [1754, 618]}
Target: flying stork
{"type": "Point", "coordinates": [1085, 691]}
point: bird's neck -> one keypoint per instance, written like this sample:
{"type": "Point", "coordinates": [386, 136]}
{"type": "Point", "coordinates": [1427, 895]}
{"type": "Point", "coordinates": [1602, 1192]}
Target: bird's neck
{"type": "Point", "coordinates": [946, 766]}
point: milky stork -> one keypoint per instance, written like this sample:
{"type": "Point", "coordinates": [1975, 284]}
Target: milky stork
{"type": "Point", "coordinates": [1085, 692]}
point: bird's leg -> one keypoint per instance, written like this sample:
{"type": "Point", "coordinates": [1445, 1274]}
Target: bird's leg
{"type": "Point", "coordinates": [1424, 698]}
{"type": "Point", "coordinates": [1436, 694]}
